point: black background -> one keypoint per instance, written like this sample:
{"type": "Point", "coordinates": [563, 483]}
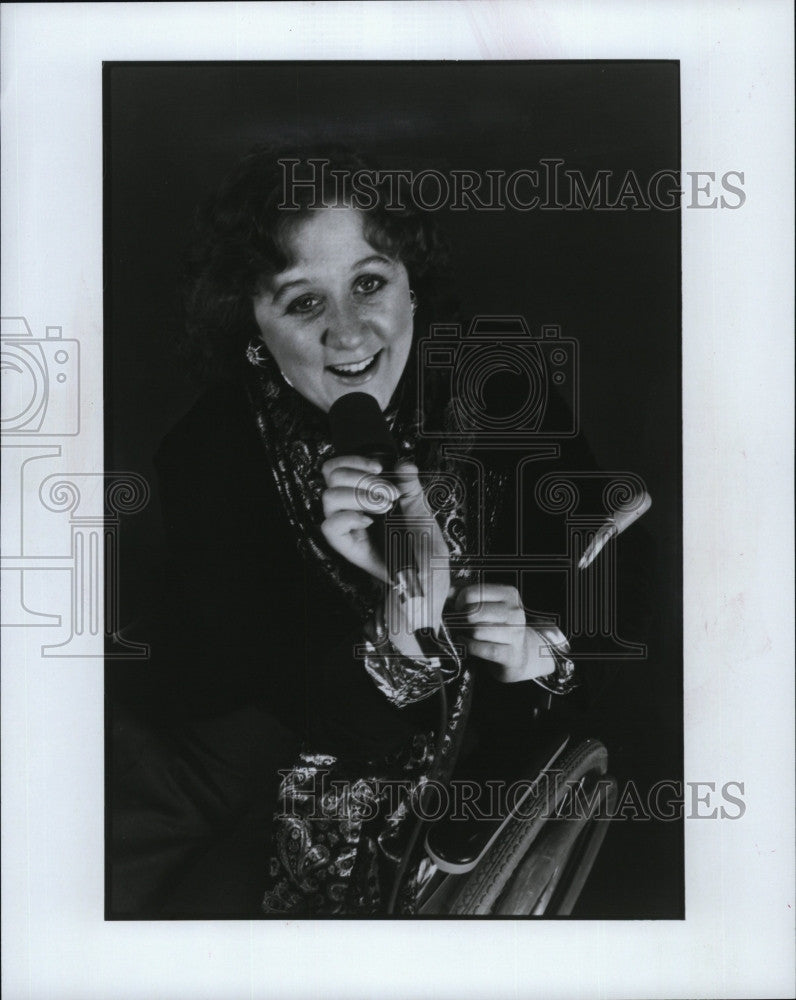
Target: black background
{"type": "Point", "coordinates": [611, 279]}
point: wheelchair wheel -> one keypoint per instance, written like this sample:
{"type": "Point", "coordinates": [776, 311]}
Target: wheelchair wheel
{"type": "Point", "coordinates": [542, 859]}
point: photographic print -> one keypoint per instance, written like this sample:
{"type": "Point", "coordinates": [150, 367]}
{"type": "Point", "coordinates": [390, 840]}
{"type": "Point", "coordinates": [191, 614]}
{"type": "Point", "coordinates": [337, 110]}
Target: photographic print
{"type": "Point", "coordinates": [397, 587]}
{"type": "Point", "coordinates": [488, 254]}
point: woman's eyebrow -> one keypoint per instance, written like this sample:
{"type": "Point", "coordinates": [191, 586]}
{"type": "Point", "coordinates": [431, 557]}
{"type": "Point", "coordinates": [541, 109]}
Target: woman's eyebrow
{"type": "Point", "coordinates": [377, 258]}
{"type": "Point", "coordinates": [373, 258]}
{"type": "Point", "coordinates": [281, 289]}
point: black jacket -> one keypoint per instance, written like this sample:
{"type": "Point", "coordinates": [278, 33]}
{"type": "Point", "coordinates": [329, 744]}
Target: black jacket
{"type": "Point", "coordinates": [244, 618]}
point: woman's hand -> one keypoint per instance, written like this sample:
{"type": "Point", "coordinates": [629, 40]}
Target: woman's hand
{"type": "Point", "coordinates": [404, 612]}
{"type": "Point", "coordinates": [355, 494]}
{"type": "Point", "coordinates": [497, 631]}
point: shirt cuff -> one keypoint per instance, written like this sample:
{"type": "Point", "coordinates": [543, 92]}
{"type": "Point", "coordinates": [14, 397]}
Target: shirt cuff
{"type": "Point", "coordinates": [403, 679]}
{"type": "Point", "coordinates": [563, 677]}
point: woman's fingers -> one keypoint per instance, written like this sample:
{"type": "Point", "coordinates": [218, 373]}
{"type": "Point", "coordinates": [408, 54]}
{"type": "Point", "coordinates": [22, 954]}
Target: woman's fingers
{"type": "Point", "coordinates": [358, 462]}
{"type": "Point", "coordinates": [363, 493]}
{"type": "Point", "coordinates": [515, 654]}
{"type": "Point", "coordinates": [492, 606]}
{"type": "Point", "coordinates": [347, 533]}
{"type": "Point", "coordinates": [505, 635]}
{"type": "Point", "coordinates": [494, 613]}
{"type": "Point", "coordinates": [425, 544]}
{"type": "Point", "coordinates": [411, 498]}
{"type": "Point", "coordinates": [407, 479]}
{"type": "Point", "coordinates": [353, 483]}
{"type": "Point", "coordinates": [372, 493]}
{"type": "Point", "coordinates": [343, 522]}
{"type": "Point", "coordinates": [481, 594]}
{"type": "Point", "coordinates": [494, 652]}
{"type": "Point", "coordinates": [413, 504]}
{"type": "Point", "coordinates": [345, 475]}
{"type": "Point", "coordinates": [494, 626]}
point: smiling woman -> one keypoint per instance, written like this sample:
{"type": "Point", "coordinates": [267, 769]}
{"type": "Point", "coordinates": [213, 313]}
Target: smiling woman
{"type": "Point", "coordinates": [339, 316]}
{"type": "Point", "coordinates": [251, 246]}
{"type": "Point", "coordinates": [298, 682]}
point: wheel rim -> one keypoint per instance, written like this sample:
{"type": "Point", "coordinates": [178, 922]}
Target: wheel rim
{"type": "Point", "coordinates": [487, 890]}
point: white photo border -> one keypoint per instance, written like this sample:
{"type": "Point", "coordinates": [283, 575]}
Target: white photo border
{"type": "Point", "coordinates": [737, 114]}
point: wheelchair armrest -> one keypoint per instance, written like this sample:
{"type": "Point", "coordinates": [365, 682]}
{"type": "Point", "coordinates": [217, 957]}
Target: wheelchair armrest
{"type": "Point", "coordinates": [456, 843]}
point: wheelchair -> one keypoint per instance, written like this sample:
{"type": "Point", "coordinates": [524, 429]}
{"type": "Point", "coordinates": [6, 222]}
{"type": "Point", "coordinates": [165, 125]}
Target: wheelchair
{"type": "Point", "coordinates": [533, 858]}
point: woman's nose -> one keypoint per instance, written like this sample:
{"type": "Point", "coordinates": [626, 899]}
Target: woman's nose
{"type": "Point", "coordinates": [344, 330]}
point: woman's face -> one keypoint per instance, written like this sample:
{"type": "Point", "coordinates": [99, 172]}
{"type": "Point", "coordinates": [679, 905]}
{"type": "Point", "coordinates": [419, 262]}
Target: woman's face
{"type": "Point", "coordinates": [339, 318]}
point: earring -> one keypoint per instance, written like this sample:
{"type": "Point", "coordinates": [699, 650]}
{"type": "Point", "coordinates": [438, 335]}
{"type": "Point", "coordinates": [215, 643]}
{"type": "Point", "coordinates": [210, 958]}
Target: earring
{"type": "Point", "coordinates": [413, 300]}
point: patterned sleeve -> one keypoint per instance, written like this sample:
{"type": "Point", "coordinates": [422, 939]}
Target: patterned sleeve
{"type": "Point", "coordinates": [563, 676]}
{"type": "Point", "coordinates": [402, 679]}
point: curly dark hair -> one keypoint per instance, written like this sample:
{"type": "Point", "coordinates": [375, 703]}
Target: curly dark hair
{"type": "Point", "coordinates": [241, 238]}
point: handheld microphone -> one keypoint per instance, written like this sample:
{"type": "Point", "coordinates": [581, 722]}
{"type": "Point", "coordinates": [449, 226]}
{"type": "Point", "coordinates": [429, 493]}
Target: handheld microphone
{"type": "Point", "coordinates": [359, 428]}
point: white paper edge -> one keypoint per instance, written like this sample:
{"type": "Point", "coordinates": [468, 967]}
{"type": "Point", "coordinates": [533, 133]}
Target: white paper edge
{"type": "Point", "coordinates": [737, 113]}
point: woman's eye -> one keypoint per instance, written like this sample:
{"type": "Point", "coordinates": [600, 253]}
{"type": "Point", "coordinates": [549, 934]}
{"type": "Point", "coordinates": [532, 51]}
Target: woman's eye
{"type": "Point", "coordinates": [303, 305]}
{"type": "Point", "coordinates": [369, 283]}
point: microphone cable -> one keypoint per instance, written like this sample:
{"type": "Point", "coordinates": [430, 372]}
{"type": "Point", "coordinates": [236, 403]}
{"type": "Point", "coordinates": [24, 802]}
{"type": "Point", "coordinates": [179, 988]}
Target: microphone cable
{"type": "Point", "coordinates": [424, 637]}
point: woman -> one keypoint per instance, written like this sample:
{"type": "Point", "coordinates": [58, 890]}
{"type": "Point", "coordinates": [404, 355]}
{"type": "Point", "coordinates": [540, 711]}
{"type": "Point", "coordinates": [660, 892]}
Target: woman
{"type": "Point", "coordinates": [296, 651]}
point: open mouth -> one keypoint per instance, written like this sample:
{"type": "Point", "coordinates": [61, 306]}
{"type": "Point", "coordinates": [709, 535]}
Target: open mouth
{"type": "Point", "coordinates": [357, 368]}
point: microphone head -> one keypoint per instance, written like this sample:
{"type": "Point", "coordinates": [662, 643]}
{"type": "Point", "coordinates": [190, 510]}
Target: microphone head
{"type": "Point", "coordinates": [359, 428]}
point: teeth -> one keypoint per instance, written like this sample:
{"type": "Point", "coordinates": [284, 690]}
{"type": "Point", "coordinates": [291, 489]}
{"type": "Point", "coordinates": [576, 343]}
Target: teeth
{"type": "Point", "coordinates": [355, 368]}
